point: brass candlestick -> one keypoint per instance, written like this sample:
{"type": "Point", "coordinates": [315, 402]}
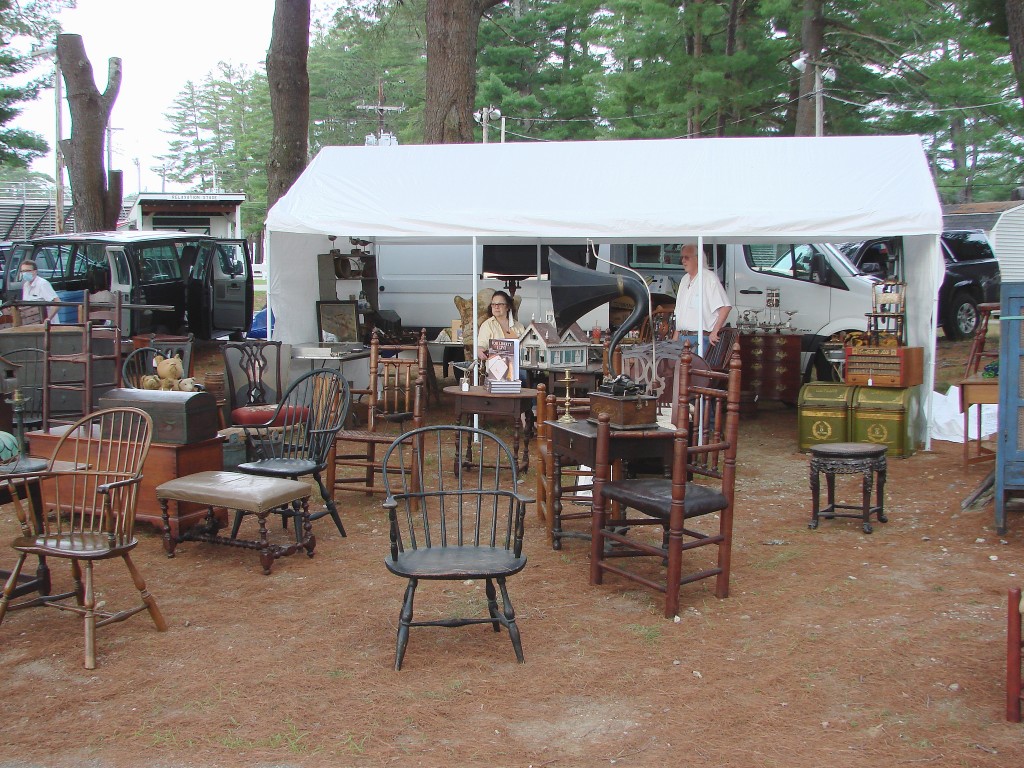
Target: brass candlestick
{"type": "Point", "coordinates": [566, 418]}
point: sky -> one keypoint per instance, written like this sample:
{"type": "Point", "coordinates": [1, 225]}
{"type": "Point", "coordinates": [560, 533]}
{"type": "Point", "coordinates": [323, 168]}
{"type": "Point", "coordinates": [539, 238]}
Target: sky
{"type": "Point", "coordinates": [162, 46]}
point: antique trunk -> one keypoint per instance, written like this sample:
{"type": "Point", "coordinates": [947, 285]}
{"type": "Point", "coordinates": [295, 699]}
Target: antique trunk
{"type": "Point", "coordinates": [625, 411]}
{"type": "Point", "coordinates": [825, 413]}
{"type": "Point", "coordinates": [885, 417]}
{"type": "Point", "coordinates": [179, 418]}
{"type": "Point", "coordinates": [897, 367]}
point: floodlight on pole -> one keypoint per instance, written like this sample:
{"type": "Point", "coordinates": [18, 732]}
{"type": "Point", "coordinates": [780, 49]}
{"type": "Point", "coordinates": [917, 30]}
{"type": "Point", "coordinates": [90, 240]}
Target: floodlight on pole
{"type": "Point", "coordinates": [485, 116]}
{"type": "Point", "coordinates": [800, 64]}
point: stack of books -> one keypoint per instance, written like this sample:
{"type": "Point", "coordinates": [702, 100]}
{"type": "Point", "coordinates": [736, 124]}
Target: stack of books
{"type": "Point", "coordinates": [503, 386]}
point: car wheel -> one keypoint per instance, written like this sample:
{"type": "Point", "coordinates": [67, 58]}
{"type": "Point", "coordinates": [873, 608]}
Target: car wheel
{"type": "Point", "coordinates": [961, 319]}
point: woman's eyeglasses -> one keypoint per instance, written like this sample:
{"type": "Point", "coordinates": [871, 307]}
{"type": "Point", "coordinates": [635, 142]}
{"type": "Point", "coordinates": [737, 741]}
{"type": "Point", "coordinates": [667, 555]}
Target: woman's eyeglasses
{"type": "Point", "coordinates": [501, 304]}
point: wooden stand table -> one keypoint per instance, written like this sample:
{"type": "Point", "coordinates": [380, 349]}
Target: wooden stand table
{"type": "Point", "coordinates": [576, 443]}
{"type": "Point", "coordinates": [483, 403]}
{"type": "Point", "coordinates": [974, 390]}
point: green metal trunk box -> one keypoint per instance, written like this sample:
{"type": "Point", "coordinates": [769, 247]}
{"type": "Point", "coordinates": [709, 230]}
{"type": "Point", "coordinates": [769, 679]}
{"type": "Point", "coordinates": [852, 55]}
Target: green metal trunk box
{"type": "Point", "coordinates": [824, 413]}
{"type": "Point", "coordinates": [885, 417]}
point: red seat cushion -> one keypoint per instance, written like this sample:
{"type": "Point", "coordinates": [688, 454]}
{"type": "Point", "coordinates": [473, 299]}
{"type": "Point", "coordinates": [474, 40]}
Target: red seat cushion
{"type": "Point", "coordinates": [253, 415]}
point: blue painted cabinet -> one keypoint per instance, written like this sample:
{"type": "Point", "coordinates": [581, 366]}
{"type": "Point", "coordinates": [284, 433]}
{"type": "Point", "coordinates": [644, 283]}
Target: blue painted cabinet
{"type": "Point", "coordinates": [1010, 453]}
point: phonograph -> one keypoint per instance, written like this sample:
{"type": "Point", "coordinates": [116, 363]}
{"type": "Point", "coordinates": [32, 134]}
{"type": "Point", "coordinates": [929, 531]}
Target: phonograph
{"type": "Point", "coordinates": [576, 290]}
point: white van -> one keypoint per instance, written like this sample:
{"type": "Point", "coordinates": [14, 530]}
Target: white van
{"type": "Point", "coordinates": [825, 293]}
{"type": "Point", "coordinates": [820, 292]}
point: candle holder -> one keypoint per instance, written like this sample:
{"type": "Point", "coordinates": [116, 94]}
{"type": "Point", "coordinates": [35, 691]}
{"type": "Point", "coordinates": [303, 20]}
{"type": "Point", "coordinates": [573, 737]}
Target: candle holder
{"type": "Point", "coordinates": [566, 417]}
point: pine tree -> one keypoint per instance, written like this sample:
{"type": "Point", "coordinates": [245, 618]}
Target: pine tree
{"type": "Point", "coordinates": [24, 21]}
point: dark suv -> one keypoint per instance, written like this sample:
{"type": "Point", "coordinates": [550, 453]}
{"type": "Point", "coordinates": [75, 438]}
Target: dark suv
{"type": "Point", "coordinates": [972, 274]}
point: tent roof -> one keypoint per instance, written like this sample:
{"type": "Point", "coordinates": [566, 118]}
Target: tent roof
{"type": "Point", "coordinates": [743, 190]}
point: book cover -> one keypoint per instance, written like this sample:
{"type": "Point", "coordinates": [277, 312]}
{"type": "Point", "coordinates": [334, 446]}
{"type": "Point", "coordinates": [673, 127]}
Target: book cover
{"type": "Point", "coordinates": [503, 359]}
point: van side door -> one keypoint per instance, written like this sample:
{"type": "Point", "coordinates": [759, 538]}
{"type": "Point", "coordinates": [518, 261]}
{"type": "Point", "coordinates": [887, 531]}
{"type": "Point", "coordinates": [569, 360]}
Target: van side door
{"type": "Point", "coordinates": [121, 284]}
{"type": "Point", "coordinates": [220, 295]}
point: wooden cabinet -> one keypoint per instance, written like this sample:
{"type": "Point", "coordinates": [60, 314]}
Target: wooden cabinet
{"type": "Point", "coordinates": [165, 462]}
{"type": "Point", "coordinates": [771, 365]}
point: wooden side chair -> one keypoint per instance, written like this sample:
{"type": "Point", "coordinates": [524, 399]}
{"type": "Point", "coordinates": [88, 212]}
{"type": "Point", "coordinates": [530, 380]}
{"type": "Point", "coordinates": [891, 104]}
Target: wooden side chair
{"type": "Point", "coordinates": [254, 382]}
{"type": "Point", "coordinates": [92, 515]}
{"type": "Point", "coordinates": [454, 527]}
{"type": "Point", "coordinates": [395, 396]}
{"type": "Point", "coordinates": [297, 439]}
{"type": "Point", "coordinates": [560, 483]}
{"type": "Point", "coordinates": [702, 485]}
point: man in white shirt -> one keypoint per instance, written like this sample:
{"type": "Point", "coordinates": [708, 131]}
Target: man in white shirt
{"type": "Point", "coordinates": [691, 316]}
{"type": "Point", "coordinates": [36, 288]}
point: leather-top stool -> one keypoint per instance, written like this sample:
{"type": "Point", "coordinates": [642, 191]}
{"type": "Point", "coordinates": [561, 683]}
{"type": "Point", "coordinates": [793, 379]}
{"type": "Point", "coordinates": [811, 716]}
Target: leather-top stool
{"type": "Point", "coordinates": [848, 459]}
{"type": "Point", "coordinates": [248, 494]}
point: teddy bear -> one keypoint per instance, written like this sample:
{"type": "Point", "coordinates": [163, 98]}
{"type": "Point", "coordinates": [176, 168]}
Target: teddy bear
{"type": "Point", "coordinates": [169, 373]}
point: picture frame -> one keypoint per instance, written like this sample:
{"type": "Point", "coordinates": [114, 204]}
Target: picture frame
{"type": "Point", "coordinates": [340, 319]}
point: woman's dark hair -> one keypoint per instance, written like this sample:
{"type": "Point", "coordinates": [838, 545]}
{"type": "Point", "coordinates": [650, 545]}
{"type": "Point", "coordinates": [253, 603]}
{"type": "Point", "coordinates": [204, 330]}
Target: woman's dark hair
{"type": "Point", "coordinates": [508, 301]}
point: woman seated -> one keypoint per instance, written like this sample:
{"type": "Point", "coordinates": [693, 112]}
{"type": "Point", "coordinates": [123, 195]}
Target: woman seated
{"type": "Point", "coordinates": [500, 323]}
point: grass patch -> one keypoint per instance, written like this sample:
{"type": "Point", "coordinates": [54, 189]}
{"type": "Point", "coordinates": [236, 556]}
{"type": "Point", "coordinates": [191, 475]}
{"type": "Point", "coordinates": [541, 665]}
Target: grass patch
{"type": "Point", "coordinates": [649, 635]}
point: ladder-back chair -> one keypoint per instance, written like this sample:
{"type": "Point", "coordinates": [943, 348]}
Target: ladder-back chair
{"type": "Point", "coordinates": [395, 395]}
{"type": "Point", "coordinates": [701, 486]}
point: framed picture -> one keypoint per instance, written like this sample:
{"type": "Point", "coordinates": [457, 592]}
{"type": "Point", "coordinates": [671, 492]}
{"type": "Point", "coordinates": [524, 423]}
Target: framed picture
{"type": "Point", "coordinates": [337, 321]}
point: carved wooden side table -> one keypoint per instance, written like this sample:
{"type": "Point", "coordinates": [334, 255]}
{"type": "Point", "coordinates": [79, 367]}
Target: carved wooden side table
{"type": "Point", "coordinates": [834, 459]}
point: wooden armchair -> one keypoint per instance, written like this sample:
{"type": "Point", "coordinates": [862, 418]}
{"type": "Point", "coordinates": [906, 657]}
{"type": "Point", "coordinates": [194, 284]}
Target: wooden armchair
{"type": "Point", "coordinates": [702, 482]}
{"type": "Point", "coordinates": [298, 437]}
{"type": "Point", "coordinates": [447, 527]}
{"type": "Point", "coordinates": [96, 520]}
{"type": "Point", "coordinates": [395, 395]}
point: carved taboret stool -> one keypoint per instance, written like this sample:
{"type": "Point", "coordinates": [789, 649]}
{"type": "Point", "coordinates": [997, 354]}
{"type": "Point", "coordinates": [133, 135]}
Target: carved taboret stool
{"type": "Point", "coordinates": [250, 494]}
{"type": "Point", "coordinates": [848, 459]}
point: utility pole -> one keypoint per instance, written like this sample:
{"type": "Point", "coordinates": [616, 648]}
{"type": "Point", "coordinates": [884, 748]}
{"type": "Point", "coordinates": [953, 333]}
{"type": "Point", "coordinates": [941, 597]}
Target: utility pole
{"type": "Point", "coordinates": [381, 109]}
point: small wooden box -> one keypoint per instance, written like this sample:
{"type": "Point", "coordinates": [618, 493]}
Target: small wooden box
{"type": "Point", "coordinates": [625, 412]}
{"type": "Point", "coordinates": [179, 418]}
{"type": "Point", "coordinates": [898, 367]}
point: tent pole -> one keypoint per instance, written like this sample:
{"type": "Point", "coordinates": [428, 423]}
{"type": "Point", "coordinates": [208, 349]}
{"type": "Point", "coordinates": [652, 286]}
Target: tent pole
{"type": "Point", "coordinates": [476, 330]}
{"type": "Point", "coordinates": [270, 280]}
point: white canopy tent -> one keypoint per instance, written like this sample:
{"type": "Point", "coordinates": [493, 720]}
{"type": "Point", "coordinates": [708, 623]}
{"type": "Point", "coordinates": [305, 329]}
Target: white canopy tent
{"type": "Point", "coordinates": [827, 189]}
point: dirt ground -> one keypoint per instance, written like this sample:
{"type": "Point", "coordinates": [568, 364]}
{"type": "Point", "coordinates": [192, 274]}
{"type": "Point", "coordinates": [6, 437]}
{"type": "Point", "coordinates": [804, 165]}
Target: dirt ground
{"type": "Point", "coordinates": [835, 648]}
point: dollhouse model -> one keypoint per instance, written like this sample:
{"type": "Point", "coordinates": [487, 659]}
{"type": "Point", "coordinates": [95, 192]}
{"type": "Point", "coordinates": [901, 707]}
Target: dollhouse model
{"type": "Point", "coordinates": [542, 348]}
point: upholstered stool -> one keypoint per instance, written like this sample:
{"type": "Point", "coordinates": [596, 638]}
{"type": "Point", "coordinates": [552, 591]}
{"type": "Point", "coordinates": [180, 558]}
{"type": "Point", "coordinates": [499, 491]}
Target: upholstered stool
{"type": "Point", "coordinates": [848, 459]}
{"type": "Point", "coordinates": [248, 494]}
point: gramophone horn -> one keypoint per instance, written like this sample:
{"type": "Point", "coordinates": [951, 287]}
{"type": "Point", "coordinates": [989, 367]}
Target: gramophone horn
{"type": "Point", "coordinates": [576, 290]}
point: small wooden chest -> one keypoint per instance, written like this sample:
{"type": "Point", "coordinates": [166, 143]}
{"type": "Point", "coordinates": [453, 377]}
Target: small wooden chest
{"type": "Point", "coordinates": [179, 418]}
{"type": "Point", "coordinates": [625, 412]}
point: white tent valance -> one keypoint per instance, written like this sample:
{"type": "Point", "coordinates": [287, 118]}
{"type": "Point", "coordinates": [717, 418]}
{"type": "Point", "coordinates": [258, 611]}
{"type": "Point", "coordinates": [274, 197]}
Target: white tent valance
{"type": "Point", "coordinates": [812, 190]}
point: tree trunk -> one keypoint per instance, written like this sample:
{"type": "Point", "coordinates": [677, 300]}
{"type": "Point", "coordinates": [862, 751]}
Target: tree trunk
{"type": "Point", "coordinates": [288, 79]}
{"type": "Point", "coordinates": [812, 41]}
{"type": "Point", "coordinates": [96, 203]}
{"type": "Point", "coordinates": [452, 27]}
{"type": "Point", "coordinates": [730, 50]}
{"type": "Point", "coordinates": [1015, 31]}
